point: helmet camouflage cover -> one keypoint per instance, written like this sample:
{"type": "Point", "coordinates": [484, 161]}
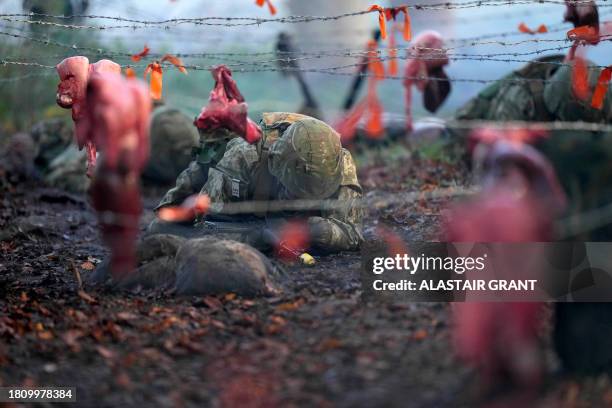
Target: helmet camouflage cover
{"type": "Point", "coordinates": [561, 101]}
{"type": "Point", "coordinates": [307, 159]}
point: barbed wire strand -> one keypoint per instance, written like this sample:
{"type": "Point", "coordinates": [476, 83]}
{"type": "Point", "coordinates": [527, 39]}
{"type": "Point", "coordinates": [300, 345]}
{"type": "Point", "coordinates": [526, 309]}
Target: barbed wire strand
{"type": "Point", "coordinates": [305, 54]}
{"type": "Point", "coordinates": [251, 21]}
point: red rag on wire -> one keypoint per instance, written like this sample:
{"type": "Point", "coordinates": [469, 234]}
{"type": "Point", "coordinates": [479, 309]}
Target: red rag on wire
{"type": "Point", "coordinates": [540, 30]}
{"type": "Point", "coordinates": [603, 83]}
{"type": "Point", "coordinates": [381, 19]}
{"type": "Point", "coordinates": [587, 34]}
{"type": "Point", "coordinates": [426, 53]}
{"type": "Point", "coordinates": [370, 106]}
{"type": "Point", "coordinates": [391, 14]}
{"type": "Point", "coordinates": [227, 108]}
{"type": "Point", "coordinates": [347, 126]}
{"type": "Point", "coordinates": [141, 54]}
{"type": "Point", "coordinates": [580, 72]}
{"type": "Point", "coordinates": [271, 7]}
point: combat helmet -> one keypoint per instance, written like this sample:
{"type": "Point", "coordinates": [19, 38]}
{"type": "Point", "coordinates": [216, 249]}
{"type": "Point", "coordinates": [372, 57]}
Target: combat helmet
{"type": "Point", "coordinates": [561, 102]}
{"type": "Point", "coordinates": [307, 159]}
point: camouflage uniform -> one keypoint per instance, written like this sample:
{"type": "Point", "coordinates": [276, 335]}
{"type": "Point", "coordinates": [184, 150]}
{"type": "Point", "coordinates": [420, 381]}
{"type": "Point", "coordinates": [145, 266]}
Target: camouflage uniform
{"type": "Point", "coordinates": [583, 163]}
{"type": "Point", "coordinates": [67, 171]}
{"type": "Point", "coordinates": [190, 181]}
{"type": "Point", "coordinates": [507, 100]}
{"type": "Point", "coordinates": [274, 169]}
{"type": "Point", "coordinates": [51, 137]}
{"type": "Point", "coordinates": [580, 158]}
{"type": "Point", "coordinates": [57, 157]}
{"type": "Point", "coordinates": [173, 138]}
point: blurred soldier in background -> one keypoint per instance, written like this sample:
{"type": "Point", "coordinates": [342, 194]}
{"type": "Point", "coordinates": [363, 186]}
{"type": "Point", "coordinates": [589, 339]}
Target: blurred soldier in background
{"type": "Point", "coordinates": [173, 138]}
{"type": "Point", "coordinates": [58, 161]}
{"type": "Point", "coordinates": [543, 91]}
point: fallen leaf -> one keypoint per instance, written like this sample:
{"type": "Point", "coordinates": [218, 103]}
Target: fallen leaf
{"type": "Point", "coordinates": [105, 352]}
{"type": "Point", "coordinates": [45, 335]}
{"type": "Point", "coordinates": [126, 316]}
{"type": "Point", "coordinates": [88, 266]}
{"type": "Point", "coordinates": [123, 380]}
{"type": "Point", "coordinates": [329, 344]}
{"type": "Point", "coordinates": [71, 337]}
{"type": "Point", "coordinates": [420, 334]}
{"type": "Point", "coordinates": [218, 324]}
{"type": "Point", "coordinates": [86, 297]}
{"type": "Point", "coordinates": [290, 306]}
{"type": "Point", "coordinates": [212, 302]}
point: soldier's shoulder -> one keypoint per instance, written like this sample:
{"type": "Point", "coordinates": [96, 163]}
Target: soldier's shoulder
{"type": "Point", "coordinates": [349, 171]}
{"type": "Point", "coordinates": [238, 154]}
{"type": "Point", "coordinates": [272, 118]}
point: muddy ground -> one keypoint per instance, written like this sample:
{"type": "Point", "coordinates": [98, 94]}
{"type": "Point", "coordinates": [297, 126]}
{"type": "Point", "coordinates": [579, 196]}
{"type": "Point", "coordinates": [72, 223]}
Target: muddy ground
{"type": "Point", "coordinates": [319, 344]}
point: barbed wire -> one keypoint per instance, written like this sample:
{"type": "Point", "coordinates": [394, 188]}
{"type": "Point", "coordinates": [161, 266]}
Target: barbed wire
{"type": "Point", "coordinates": [327, 71]}
{"type": "Point", "coordinates": [304, 54]}
{"type": "Point", "coordinates": [494, 57]}
{"type": "Point", "coordinates": [252, 21]}
{"type": "Point", "coordinates": [522, 13]}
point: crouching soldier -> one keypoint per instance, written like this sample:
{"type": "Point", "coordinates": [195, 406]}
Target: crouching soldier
{"type": "Point", "coordinates": [581, 159]}
{"type": "Point", "coordinates": [298, 159]}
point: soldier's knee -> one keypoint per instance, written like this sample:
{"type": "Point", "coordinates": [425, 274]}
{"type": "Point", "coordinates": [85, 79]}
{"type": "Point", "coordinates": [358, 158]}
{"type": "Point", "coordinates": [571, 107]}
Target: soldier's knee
{"type": "Point", "coordinates": [320, 231]}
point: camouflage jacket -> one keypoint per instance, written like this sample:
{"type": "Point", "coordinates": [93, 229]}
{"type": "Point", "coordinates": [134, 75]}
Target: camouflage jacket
{"type": "Point", "coordinates": [242, 175]}
{"type": "Point", "coordinates": [172, 138]}
{"type": "Point", "coordinates": [582, 159]}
